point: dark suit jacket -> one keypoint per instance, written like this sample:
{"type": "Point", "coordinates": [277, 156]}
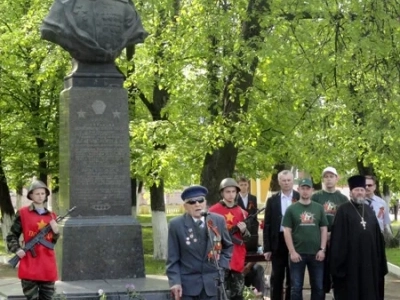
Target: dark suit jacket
{"type": "Point", "coordinates": [187, 264]}
{"type": "Point", "coordinates": [251, 208]}
{"type": "Point", "coordinates": [273, 220]}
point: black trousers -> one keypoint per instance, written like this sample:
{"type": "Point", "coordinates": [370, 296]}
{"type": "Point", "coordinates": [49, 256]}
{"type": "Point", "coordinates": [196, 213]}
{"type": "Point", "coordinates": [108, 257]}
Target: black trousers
{"type": "Point", "coordinates": [327, 273]}
{"type": "Point", "coordinates": [255, 278]}
{"type": "Point", "coordinates": [280, 271]}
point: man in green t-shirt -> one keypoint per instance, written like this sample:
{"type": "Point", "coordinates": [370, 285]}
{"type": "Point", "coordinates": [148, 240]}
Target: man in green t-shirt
{"type": "Point", "coordinates": [330, 198]}
{"type": "Point", "coordinates": [305, 230]}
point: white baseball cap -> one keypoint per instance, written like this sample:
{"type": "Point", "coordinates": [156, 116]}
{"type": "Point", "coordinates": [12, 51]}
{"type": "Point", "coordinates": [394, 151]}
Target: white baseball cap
{"type": "Point", "coordinates": [330, 170]}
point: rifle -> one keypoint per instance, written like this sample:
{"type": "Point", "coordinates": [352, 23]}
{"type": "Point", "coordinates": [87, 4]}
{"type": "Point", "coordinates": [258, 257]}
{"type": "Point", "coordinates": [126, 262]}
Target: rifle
{"type": "Point", "coordinates": [235, 228]}
{"type": "Point", "coordinates": [39, 238]}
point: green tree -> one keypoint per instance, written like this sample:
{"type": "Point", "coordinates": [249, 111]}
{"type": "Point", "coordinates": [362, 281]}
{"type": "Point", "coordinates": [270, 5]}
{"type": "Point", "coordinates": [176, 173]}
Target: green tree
{"type": "Point", "coordinates": [31, 73]}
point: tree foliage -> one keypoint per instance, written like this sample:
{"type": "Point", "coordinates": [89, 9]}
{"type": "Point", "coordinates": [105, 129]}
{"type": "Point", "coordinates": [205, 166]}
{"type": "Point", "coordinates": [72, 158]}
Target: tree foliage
{"type": "Point", "coordinates": [320, 88]}
{"type": "Point", "coordinates": [31, 73]}
{"type": "Point", "coordinates": [222, 87]}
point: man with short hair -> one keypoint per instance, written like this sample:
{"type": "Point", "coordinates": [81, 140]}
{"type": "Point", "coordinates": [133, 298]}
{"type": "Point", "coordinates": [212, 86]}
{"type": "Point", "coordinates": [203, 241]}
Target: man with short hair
{"type": "Point", "coordinates": [248, 202]}
{"type": "Point", "coordinates": [357, 258]}
{"type": "Point", "coordinates": [305, 233]}
{"type": "Point", "coordinates": [330, 198]}
{"type": "Point", "coordinates": [275, 248]}
{"type": "Point", "coordinates": [254, 273]}
{"type": "Point", "coordinates": [378, 205]}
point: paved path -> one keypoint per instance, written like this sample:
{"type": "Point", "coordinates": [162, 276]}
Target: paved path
{"type": "Point", "coordinates": [392, 285]}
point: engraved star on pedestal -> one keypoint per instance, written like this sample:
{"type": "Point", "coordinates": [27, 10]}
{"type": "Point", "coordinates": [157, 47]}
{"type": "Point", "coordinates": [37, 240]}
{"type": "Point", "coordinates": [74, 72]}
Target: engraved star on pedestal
{"type": "Point", "coordinates": [81, 114]}
{"type": "Point", "coordinates": [116, 114]}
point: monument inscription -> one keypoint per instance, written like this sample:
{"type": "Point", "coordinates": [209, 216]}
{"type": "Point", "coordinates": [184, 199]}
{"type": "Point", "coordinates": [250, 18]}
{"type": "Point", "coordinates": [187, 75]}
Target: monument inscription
{"type": "Point", "coordinates": [99, 152]}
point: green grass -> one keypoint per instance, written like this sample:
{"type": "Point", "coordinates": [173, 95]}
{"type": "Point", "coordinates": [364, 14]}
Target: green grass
{"type": "Point", "coordinates": [3, 248]}
{"type": "Point", "coordinates": [395, 227]}
{"type": "Point", "coordinates": [146, 219]}
{"type": "Point", "coordinates": [393, 256]}
{"type": "Point", "coordinates": [152, 266]}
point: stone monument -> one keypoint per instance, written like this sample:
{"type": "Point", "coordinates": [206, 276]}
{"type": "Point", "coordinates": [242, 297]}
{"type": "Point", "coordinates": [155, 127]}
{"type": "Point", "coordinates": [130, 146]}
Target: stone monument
{"type": "Point", "coordinates": [101, 240]}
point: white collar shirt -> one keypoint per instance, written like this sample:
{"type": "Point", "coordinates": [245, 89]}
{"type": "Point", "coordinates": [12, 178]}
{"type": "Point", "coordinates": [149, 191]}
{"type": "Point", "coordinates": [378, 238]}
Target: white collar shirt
{"type": "Point", "coordinates": [196, 220]}
{"type": "Point", "coordinates": [286, 201]}
{"type": "Point", "coordinates": [245, 199]}
{"type": "Point", "coordinates": [381, 211]}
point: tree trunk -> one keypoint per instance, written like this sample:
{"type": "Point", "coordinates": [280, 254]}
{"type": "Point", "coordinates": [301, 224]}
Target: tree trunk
{"type": "Point", "coordinates": [159, 221]}
{"type": "Point", "coordinates": [134, 196]}
{"type": "Point", "coordinates": [221, 162]}
{"type": "Point", "coordinates": [317, 185]}
{"type": "Point", "coordinates": [6, 207]}
{"type": "Point", "coordinates": [19, 192]}
{"type": "Point", "coordinates": [369, 170]}
{"type": "Point", "coordinates": [160, 99]}
{"type": "Point", "coordinates": [6, 222]}
{"type": "Point", "coordinates": [42, 162]}
{"type": "Point", "coordinates": [217, 166]}
{"type": "Point", "coordinates": [138, 196]}
{"type": "Point", "coordinates": [274, 186]}
{"type": "Point", "coordinates": [137, 187]}
{"type": "Point", "coordinates": [386, 193]}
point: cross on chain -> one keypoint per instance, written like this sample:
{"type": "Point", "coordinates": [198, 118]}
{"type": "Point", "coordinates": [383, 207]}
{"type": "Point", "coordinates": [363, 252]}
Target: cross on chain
{"type": "Point", "coordinates": [363, 223]}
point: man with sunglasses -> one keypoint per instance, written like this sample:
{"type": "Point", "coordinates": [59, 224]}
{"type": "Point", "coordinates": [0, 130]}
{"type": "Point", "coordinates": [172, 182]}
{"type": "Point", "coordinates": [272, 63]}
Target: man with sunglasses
{"type": "Point", "coordinates": [195, 240]}
{"type": "Point", "coordinates": [378, 205]}
{"type": "Point", "coordinates": [234, 217]}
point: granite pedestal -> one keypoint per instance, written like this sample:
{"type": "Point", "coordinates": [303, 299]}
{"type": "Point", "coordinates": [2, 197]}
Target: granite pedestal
{"type": "Point", "coordinates": [101, 240]}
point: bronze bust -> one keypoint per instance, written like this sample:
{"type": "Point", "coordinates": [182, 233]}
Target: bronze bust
{"type": "Point", "coordinates": [93, 31]}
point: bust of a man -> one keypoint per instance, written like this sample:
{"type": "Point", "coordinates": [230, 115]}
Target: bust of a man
{"type": "Point", "coordinates": [93, 31]}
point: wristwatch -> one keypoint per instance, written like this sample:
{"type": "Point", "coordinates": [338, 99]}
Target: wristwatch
{"type": "Point", "coordinates": [322, 249]}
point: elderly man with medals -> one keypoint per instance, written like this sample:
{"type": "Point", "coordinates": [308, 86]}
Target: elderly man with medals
{"type": "Point", "coordinates": [199, 248]}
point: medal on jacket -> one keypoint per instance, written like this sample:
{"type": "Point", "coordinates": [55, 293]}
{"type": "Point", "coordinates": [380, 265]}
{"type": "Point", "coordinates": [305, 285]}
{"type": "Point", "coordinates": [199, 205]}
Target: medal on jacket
{"type": "Point", "coordinates": [215, 251]}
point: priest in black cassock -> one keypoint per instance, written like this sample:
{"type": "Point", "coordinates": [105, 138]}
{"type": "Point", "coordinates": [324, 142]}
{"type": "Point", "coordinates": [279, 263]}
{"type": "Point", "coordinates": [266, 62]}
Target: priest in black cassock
{"type": "Point", "coordinates": [358, 260]}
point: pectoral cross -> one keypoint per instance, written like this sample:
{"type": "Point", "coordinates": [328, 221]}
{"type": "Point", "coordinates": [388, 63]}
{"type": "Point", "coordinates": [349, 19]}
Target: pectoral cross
{"type": "Point", "coordinates": [363, 223]}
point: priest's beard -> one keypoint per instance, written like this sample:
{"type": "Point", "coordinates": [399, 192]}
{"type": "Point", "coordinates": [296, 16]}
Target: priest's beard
{"type": "Point", "coordinates": [359, 200]}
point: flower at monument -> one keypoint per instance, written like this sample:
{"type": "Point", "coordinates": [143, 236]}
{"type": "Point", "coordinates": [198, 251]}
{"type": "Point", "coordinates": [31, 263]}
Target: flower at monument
{"type": "Point", "coordinates": [102, 294]}
{"type": "Point", "coordinates": [130, 287]}
{"type": "Point", "coordinates": [132, 293]}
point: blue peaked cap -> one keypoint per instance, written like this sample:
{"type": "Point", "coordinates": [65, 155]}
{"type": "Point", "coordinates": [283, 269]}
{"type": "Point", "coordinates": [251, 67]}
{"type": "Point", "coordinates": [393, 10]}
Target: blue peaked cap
{"type": "Point", "coordinates": [194, 191]}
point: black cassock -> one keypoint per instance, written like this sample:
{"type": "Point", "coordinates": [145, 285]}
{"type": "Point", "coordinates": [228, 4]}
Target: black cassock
{"type": "Point", "coordinates": [357, 257]}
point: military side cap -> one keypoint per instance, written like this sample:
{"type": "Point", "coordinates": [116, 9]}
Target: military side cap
{"type": "Point", "coordinates": [306, 181]}
{"type": "Point", "coordinates": [194, 191]}
{"type": "Point", "coordinates": [356, 181]}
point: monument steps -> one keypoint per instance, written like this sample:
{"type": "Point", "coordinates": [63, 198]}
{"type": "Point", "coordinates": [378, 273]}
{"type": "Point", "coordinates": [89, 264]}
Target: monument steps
{"type": "Point", "coordinates": [152, 287]}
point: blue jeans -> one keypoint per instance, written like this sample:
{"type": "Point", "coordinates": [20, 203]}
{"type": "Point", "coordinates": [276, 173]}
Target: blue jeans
{"type": "Point", "coordinates": [316, 273]}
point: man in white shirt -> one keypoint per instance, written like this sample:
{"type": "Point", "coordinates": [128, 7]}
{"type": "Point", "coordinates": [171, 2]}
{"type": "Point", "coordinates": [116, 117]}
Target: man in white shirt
{"type": "Point", "coordinates": [274, 242]}
{"type": "Point", "coordinates": [379, 205]}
